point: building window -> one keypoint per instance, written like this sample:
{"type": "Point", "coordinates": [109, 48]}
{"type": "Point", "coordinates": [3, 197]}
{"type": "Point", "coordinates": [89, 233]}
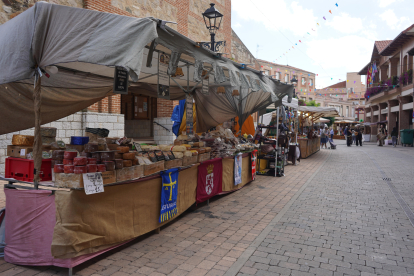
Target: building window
{"type": "Point", "coordinates": [310, 82]}
{"type": "Point", "coordinates": [278, 75]}
{"type": "Point", "coordinates": [303, 81]}
{"type": "Point", "coordinates": [267, 73]}
{"type": "Point", "coordinates": [347, 111]}
{"type": "Point", "coordinates": [310, 99]}
{"type": "Point", "coordinates": [353, 112]}
{"type": "Point", "coordinates": [286, 77]}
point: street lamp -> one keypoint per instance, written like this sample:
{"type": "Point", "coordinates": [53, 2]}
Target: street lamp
{"type": "Point", "coordinates": [294, 81]}
{"type": "Point", "coordinates": [212, 19]}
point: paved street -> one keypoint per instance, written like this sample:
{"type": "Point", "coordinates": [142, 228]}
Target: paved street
{"type": "Point", "coordinates": [334, 214]}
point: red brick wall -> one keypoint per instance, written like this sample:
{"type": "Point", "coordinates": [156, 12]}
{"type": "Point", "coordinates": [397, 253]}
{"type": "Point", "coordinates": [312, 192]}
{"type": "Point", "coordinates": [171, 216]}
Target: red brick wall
{"type": "Point", "coordinates": [188, 12]}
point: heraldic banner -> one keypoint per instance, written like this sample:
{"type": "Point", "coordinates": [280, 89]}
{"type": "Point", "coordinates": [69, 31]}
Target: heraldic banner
{"type": "Point", "coordinates": [238, 169]}
{"type": "Point", "coordinates": [210, 175]}
{"type": "Point", "coordinates": [254, 162]}
{"type": "Point", "coordinates": [169, 194]}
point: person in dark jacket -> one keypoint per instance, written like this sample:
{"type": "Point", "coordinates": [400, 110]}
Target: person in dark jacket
{"type": "Point", "coordinates": [348, 136]}
{"type": "Point", "coordinates": [358, 135]}
{"type": "Point", "coordinates": [394, 136]}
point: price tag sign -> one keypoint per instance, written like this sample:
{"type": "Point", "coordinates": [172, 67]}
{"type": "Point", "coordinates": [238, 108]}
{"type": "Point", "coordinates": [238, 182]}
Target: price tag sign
{"type": "Point", "coordinates": [93, 183]}
{"type": "Point", "coordinates": [121, 80]}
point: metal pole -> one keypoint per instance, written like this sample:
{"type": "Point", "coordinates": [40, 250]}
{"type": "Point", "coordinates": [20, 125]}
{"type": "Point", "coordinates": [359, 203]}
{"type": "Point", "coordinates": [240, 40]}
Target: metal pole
{"type": "Point", "coordinates": [212, 42]}
{"type": "Point", "coordinates": [277, 137]}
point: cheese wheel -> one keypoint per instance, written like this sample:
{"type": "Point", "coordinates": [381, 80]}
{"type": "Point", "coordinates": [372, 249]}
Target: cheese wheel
{"type": "Point", "coordinates": [91, 161]}
{"type": "Point", "coordinates": [22, 140]}
{"type": "Point", "coordinates": [118, 155]}
{"type": "Point", "coordinates": [97, 156]}
{"type": "Point", "coordinates": [67, 162]}
{"type": "Point", "coordinates": [80, 169]}
{"type": "Point", "coordinates": [112, 146]}
{"type": "Point", "coordinates": [70, 155]}
{"type": "Point", "coordinates": [165, 147]}
{"type": "Point", "coordinates": [207, 149]}
{"type": "Point", "coordinates": [187, 146]}
{"type": "Point", "coordinates": [178, 155]}
{"type": "Point", "coordinates": [134, 162]}
{"type": "Point", "coordinates": [119, 164]}
{"type": "Point", "coordinates": [102, 147]}
{"type": "Point", "coordinates": [80, 161]}
{"type": "Point", "coordinates": [90, 147]}
{"type": "Point", "coordinates": [127, 163]}
{"type": "Point", "coordinates": [179, 148]}
{"type": "Point", "coordinates": [108, 156]}
{"type": "Point", "coordinates": [122, 149]}
{"type": "Point", "coordinates": [58, 154]}
{"type": "Point", "coordinates": [59, 168]}
{"type": "Point", "coordinates": [101, 168]}
{"type": "Point", "coordinates": [128, 156]}
{"type": "Point", "coordinates": [69, 168]}
{"type": "Point", "coordinates": [188, 153]}
{"type": "Point", "coordinates": [110, 165]}
{"type": "Point", "coordinates": [91, 168]}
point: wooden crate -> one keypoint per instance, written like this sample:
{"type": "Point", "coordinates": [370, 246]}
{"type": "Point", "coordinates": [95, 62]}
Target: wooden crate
{"type": "Point", "coordinates": [153, 168]}
{"type": "Point", "coordinates": [138, 171]}
{"type": "Point", "coordinates": [173, 164]}
{"type": "Point", "coordinates": [75, 181]}
{"type": "Point", "coordinates": [203, 157]}
{"type": "Point", "coordinates": [189, 160]}
{"type": "Point", "coordinates": [125, 174]}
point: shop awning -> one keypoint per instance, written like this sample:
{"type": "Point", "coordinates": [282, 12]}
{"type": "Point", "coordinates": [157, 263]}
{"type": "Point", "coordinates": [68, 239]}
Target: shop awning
{"type": "Point", "coordinates": [315, 112]}
{"type": "Point", "coordinates": [86, 45]}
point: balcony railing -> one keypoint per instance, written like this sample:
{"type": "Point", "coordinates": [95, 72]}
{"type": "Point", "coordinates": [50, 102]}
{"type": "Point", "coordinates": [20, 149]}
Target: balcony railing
{"type": "Point", "coordinates": [395, 81]}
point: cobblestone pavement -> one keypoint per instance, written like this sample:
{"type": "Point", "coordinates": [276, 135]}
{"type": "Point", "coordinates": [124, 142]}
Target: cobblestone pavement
{"type": "Point", "coordinates": [331, 215]}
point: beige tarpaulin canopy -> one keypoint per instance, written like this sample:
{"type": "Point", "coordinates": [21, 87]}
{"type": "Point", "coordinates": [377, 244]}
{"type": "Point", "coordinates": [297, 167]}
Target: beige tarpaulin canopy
{"type": "Point", "coordinates": [85, 45]}
{"type": "Point", "coordinates": [314, 112]}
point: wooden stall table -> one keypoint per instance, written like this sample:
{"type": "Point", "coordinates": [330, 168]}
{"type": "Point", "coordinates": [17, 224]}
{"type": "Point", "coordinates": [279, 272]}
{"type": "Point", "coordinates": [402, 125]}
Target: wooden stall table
{"type": "Point", "coordinates": [308, 146]}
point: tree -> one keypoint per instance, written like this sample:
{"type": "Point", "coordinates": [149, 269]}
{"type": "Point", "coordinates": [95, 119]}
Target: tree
{"type": "Point", "coordinates": [331, 120]}
{"type": "Point", "coordinates": [312, 103]}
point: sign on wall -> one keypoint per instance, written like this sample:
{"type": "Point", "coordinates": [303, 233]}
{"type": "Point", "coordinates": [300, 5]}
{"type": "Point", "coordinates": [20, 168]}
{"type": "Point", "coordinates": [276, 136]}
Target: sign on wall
{"type": "Point", "coordinates": [121, 76]}
{"type": "Point", "coordinates": [163, 77]}
{"type": "Point", "coordinates": [189, 114]}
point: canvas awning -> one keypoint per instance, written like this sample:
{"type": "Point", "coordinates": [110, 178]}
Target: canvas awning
{"type": "Point", "coordinates": [86, 45]}
{"type": "Point", "coordinates": [317, 112]}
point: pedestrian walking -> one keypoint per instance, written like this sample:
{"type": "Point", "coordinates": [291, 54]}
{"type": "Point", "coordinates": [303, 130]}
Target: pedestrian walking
{"type": "Point", "coordinates": [331, 133]}
{"type": "Point", "coordinates": [348, 136]}
{"type": "Point", "coordinates": [358, 136]}
{"type": "Point", "coordinates": [324, 137]}
{"type": "Point", "coordinates": [353, 137]}
{"type": "Point", "coordinates": [381, 136]}
{"type": "Point", "coordinates": [394, 135]}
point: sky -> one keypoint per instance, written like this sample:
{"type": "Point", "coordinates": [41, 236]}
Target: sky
{"type": "Point", "coordinates": [342, 43]}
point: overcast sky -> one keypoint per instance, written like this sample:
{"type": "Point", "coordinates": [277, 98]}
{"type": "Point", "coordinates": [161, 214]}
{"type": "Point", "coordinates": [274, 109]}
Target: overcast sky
{"type": "Point", "coordinates": [341, 43]}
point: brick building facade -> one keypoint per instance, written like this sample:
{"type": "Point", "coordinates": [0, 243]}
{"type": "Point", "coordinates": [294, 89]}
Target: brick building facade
{"type": "Point", "coordinates": [389, 97]}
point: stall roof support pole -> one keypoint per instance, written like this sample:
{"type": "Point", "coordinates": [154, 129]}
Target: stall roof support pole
{"type": "Point", "coordinates": [277, 138]}
{"type": "Point", "coordinates": [37, 147]}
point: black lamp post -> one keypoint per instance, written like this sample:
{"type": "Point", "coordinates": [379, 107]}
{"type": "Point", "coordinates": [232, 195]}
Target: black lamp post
{"type": "Point", "coordinates": [294, 81]}
{"type": "Point", "coordinates": [212, 19]}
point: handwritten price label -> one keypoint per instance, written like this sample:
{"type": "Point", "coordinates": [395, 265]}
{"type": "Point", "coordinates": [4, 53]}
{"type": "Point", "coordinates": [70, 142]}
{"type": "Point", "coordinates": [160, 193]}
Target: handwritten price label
{"type": "Point", "coordinates": [93, 183]}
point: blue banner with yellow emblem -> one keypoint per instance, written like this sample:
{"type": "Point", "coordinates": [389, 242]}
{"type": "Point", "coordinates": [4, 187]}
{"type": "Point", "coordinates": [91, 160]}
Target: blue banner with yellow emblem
{"type": "Point", "coordinates": [169, 194]}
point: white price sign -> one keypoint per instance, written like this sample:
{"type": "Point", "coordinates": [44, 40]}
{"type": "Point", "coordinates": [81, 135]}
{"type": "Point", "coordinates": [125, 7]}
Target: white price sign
{"type": "Point", "coordinates": [93, 183]}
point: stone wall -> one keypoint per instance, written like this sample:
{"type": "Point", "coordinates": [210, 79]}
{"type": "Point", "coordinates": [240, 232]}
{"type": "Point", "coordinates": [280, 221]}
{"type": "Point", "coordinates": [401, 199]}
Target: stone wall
{"type": "Point", "coordinates": [12, 8]}
{"type": "Point", "coordinates": [161, 135]}
{"type": "Point", "coordinates": [240, 53]}
{"type": "Point", "coordinates": [73, 125]}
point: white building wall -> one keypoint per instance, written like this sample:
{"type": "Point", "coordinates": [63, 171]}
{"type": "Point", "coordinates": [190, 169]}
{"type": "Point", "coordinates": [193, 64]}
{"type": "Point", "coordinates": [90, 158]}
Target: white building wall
{"type": "Point", "coordinates": [161, 135]}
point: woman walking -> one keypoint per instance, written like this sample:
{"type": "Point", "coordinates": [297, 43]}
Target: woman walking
{"type": "Point", "coordinates": [394, 135]}
{"type": "Point", "coordinates": [324, 137]}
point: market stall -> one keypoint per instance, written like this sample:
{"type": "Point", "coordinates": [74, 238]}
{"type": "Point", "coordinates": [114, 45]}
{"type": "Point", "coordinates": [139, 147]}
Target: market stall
{"type": "Point", "coordinates": [101, 191]}
{"type": "Point", "coordinates": [309, 141]}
